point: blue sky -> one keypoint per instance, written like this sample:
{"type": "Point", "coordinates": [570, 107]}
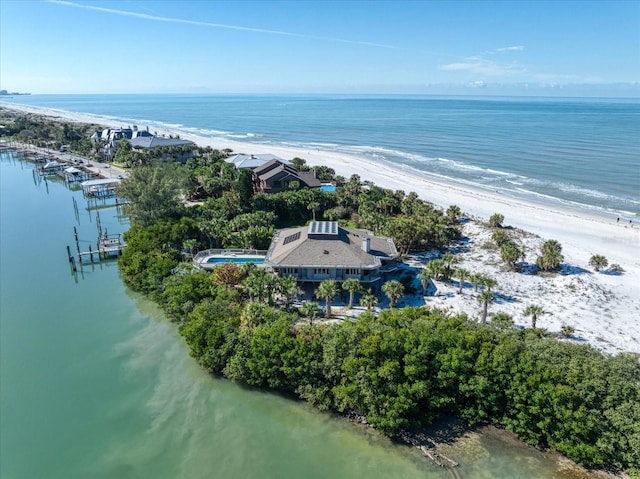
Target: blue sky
{"type": "Point", "coordinates": [453, 47]}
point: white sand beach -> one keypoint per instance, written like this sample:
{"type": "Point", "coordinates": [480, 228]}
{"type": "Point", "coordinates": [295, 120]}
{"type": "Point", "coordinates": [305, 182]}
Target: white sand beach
{"type": "Point", "coordinates": [604, 308]}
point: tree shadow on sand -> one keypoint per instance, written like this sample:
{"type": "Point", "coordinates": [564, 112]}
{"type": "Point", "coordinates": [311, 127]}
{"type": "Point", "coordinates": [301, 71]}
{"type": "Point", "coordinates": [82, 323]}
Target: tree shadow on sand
{"type": "Point", "coordinates": [609, 272]}
{"type": "Point", "coordinates": [502, 298]}
{"type": "Point", "coordinates": [569, 270]}
{"type": "Point", "coordinates": [527, 268]}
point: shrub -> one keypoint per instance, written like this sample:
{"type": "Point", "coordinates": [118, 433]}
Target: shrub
{"type": "Point", "coordinates": [496, 220]}
{"type": "Point", "coordinates": [598, 262]}
{"type": "Point", "coordinates": [500, 237]}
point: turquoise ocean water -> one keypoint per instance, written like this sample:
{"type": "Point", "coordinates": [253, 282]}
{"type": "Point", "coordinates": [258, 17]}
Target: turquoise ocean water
{"type": "Point", "coordinates": [584, 153]}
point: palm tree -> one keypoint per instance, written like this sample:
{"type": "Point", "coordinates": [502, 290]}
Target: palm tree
{"type": "Point", "coordinates": [309, 309]}
{"type": "Point", "coordinates": [534, 311]}
{"type": "Point", "coordinates": [424, 275]}
{"type": "Point", "coordinates": [488, 282]}
{"type": "Point", "coordinates": [288, 287]}
{"type": "Point", "coordinates": [453, 213]}
{"type": "Point", "coordinates": [485, 298]}
{"type": "Point", "coordinates": [255, 284]}
{"type": "Point", "coordinates": [598, 262]}
{"type": "Point", "coordinates": [435, 268]}
{"type": "Point", "coordinates": [313, 206]}
{"type": "Point", "coordinates": [550, 256]}
{"type": "Point", "coordinates": [462, 274]}
{"type": "Point", "coordinates": [327, 290]}
{"type": "Point", "coordinates": [247, 268]}
{"type": "Point", "coordinates": [394, 291]}
{"type": "Point", "coordinates": [510, 253]}
{"type": "Point", "coordinates": [253, 314]}
{"type": "Point", "coordinates": [476, 279]}
{"type": "Point", "coordinates": [369, 300]}
{"type": "Point", "coordinates": [449, 260]}
{"type": "Point", "coordinates": [353, 286]}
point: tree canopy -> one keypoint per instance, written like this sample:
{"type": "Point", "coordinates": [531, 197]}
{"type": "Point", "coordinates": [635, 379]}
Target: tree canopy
{"type": "Point", "coordinates": [399, 369]}
{"type": "Point", "coordinates": [153, 192]}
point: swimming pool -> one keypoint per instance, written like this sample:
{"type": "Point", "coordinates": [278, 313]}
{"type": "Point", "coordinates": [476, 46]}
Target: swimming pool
{"type": "Point", "coordinates": [210, 258]}
{"type": "Point", "coordinates": [235, 259]}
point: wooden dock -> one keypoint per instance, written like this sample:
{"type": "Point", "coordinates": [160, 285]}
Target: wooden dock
{"type": "Point", "coordinates": [109, 246]}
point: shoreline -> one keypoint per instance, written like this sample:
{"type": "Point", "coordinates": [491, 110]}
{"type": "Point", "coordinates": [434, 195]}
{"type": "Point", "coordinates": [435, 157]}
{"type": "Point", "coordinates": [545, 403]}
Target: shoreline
{"type": "Point", "coordinates": [315, 154]}
{"type": "Point", "coordinates": [580, 233]}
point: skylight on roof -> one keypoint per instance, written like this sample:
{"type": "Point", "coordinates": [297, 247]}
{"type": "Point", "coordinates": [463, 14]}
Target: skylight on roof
{"type": "Point", "coordinates": [290, 238]}
{"type": "Point", "coordinates": [323, 228]}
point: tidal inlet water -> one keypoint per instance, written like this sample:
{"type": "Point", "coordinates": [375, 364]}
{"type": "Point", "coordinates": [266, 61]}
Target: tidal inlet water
{"type": "Point", "coordinates": [96, 383]}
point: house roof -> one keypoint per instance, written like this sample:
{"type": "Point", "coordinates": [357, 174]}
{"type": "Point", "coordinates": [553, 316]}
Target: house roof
{"type": "Point", "coordinates": [310, 179]}
{"type": "Point", "coordinates": [276, 168]}
{"type": "Point", "coordinates": [324, 244]}
{"type": "Point", "coordinates": [253, 161]}
{"type": "Point", "coordinates": [157, 141]}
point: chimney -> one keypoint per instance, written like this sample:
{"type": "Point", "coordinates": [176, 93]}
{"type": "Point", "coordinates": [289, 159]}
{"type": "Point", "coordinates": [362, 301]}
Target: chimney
{"type": "Point", "coordinates": [366, 244]}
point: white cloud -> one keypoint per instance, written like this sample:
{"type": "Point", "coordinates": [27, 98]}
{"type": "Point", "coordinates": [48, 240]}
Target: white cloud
{"type": "Point", "coordinates": [516, 48]}
{"type": "Point", "coordinates": [482, 66]}
{"type": "Point", "coordinates": [487, 64]}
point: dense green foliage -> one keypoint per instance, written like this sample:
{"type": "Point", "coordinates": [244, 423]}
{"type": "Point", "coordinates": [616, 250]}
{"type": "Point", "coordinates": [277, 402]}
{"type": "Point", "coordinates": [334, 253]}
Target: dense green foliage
{"type": "Point", "coordinates": [404, 368]}
{"type": "Point", "coordinates": [153, 193]}
{"type": "Point", "coordinates": [49, 132]}
{"type": "Point", "coordinates": [400, 369]}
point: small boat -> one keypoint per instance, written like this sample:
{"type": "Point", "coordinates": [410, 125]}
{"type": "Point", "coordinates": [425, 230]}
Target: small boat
{"type": "Point", "coordinates": [53, 165]}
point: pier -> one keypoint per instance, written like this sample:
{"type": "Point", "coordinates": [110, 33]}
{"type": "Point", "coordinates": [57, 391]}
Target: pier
{"type": "Point", "coordinates": [109, 246]}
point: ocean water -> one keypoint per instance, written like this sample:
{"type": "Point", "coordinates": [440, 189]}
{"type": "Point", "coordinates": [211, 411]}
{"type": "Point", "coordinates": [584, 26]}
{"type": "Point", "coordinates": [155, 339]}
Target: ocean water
{"type": "Point", "coordinates": [96, 383]}
{"type": "Point", "coordinates": [584, 153]}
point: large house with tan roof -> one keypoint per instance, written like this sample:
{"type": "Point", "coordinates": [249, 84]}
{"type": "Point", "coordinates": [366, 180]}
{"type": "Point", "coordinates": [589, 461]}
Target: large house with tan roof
{"type": "Point", "coordinates": [323, 250]}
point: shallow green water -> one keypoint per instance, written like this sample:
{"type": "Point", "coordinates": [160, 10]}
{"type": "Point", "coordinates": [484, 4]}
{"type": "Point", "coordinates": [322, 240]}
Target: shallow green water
{"type": "Point", "coordinates": [95, 383]}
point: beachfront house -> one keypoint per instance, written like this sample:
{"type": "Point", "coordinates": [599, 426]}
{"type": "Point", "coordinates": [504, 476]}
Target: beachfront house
{"type": "Point", "coordinates": [182, 153]}
{"type": "Point", "coordinates": [272, 174]}
{"type": "Point", "coordinates": [275, 176]}
{"type": "Point", "coordinates": [323, 250]}
{"type": "Point", "coordinates": [242, 161]}
{"type": "Point", "coordinates": [142, 140]}
{"type": "Point", "coordinates": [111, 136]}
